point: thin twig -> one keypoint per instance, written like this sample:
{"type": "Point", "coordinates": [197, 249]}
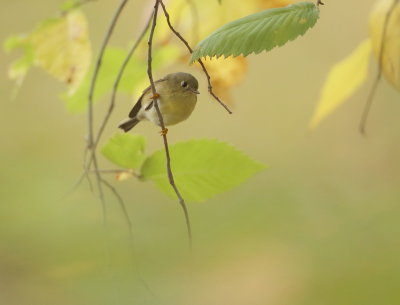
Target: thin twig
{"type": "Point", "coordinates": [368, 104]}
{"type": "Point", "coordinates": [118, 80]}
{"type": "Point", "coordinates": [371, 95]}
{"type": "Point", "coordinates": [210, 88]}
{"type": "Point", "coordinates": [319, 2]}
{"type": "Point", "coordinates": [113, 98]}
{"type": "Point", "coordinates": [131, 236]}
{"type": "Point", "coordinates": [93, 82]}
{"type": "Point", "coordinates": [97, 69]}
{"type": "Point", "coordinates": [123, 207]}
{"type": "Point", "coordinates": [160, 117]}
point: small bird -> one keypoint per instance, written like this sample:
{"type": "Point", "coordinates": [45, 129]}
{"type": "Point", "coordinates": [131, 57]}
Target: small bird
{"type": "Point", "coordinates": [176, 95]}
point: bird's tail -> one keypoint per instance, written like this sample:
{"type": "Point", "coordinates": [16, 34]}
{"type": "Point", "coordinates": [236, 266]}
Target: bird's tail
{"type": "Point", "coordinates": [128, 124]}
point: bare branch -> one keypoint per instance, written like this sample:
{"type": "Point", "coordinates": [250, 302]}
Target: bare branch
{"type": "Point", "coordinates": [160, 117]}
{"type": "Point", "coordinates": [129, 223]}
{"type": "Point", "coordinates": [118, 80]}
{"type": "Point", "coordinates": [93, 157]}
{"type": "Point", "coordinates": [97, 69]}
{"type": "Point", "coordinates": [210, 88]}
{"type": "Point", "coordinates": [123, 208]}
{"type": "Point", "coordinates": [371, 95]}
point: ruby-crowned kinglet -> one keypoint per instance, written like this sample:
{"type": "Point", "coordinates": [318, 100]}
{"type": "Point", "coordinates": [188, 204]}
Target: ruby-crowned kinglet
{"type": "Point", "coordinates": [177, 99]}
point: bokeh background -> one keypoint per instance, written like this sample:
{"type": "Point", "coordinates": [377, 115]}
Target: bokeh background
{"type": "Point", "coordinates": [320, 226]}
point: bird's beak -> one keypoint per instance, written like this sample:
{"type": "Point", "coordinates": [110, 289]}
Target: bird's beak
{"type": "Point", "coordinates": [195, 91]}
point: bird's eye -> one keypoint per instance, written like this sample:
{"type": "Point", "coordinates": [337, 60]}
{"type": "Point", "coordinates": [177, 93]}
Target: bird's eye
{"type": "Point", "coordinates": [184, 84]}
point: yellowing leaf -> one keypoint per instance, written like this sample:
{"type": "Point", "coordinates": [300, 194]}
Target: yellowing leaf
{"type": "Point", "coordinates": [226, 73]}
{"type": "Point", "coordinates": [62, 48]}
{"type": "Point", "coordinates": [344, 78]}
{"type": "Point", "coordinates": [123, 176]}
{"type": "Point", "coordinates": [391, 43]}
{"type": "Point", "coordinates": [20, 67]}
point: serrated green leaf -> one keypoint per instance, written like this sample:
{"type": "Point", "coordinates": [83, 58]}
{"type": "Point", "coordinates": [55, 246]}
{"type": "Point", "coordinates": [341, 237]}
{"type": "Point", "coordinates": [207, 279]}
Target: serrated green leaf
{"type": "Point", "coordinates": [201, 168]}
{"type": "Point", "coordinates": [259, 32]}
{"type": "Point", "coordinates": [125, 150]}
{"type": "Point", "coordinates": [135, 73]}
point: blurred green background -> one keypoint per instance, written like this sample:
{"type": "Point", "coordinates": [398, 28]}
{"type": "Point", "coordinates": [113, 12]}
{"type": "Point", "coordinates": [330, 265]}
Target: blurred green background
{"type": "Point", "coordinates": [320, 226]}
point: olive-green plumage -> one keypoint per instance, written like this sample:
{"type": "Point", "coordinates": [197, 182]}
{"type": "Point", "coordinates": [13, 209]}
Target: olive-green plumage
{"type": "Point", "coordinates": [178, 97]}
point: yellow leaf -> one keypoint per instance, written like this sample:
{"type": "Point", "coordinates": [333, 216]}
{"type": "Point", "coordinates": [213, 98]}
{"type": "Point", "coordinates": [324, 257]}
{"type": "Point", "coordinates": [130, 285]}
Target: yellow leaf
{"type": "Point", "coordinates": [391, 43]}
{"type": "Point", "coordinates": [62, 48]}
{"type": "Point", "coordinates": [123, 176]}
{"type": "Point", "coordinates": [343, 80]}
{"type": "Point", "coordinates": [225, 73]}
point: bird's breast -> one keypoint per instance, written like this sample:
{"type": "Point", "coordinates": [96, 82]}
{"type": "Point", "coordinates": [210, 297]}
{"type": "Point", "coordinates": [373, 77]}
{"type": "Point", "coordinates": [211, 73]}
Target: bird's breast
{"type": "Point", "coordinates": [176, 110]}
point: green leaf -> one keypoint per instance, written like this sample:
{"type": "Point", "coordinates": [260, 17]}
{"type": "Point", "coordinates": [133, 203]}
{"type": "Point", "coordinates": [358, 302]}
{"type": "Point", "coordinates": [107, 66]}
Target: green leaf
{"type": "Point", "coordinates": [15, 42]}
{"type": "Point", "coordinates": [20, 67]}
{"type": "Point", "coordinates": [259, 32]}
{"type": "Point", "coordinates": [125, 150]}
{"type": "Point", "coordinates": [71, 5]}
{"type": "Point", "coordinates": [201, 168]}
{"type": "Point", "coordinates": [135, 74]}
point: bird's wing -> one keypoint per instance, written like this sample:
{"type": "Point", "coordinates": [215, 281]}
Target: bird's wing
{"type": "Point", "coordinates": [135, 110]}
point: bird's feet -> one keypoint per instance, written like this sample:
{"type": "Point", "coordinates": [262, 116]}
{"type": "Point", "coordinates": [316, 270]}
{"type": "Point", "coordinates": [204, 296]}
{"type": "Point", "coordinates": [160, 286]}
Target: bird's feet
{"type": "Point", "coordinates": [164, 131]}
{"type": "Point", "coordinates": [155, 96]}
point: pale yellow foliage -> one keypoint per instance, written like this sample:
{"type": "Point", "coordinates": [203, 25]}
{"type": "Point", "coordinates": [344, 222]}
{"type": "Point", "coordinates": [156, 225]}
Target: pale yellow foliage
{"type": "Point", "coordinates": [391, 42]}
{"type": "Point", "coordinates": [226, 73]}
{"type": "Point", "coordinates": [343, 80]}
{"type": "Point", "coordinates": [62, 48]}
{"type": "Point", "coordinates": [123, 176]}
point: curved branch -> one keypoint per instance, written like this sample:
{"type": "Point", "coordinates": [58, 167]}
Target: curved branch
{"type": "Point", "coordinates": [118, 80]}
{"type": "Point", "coordinates": [160, 117]}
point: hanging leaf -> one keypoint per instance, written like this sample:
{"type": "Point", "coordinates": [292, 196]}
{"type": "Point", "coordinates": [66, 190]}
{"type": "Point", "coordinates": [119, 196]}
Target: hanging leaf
{"type": "Point", "coordinates": [125, 150]}
{"type": "Point", "coordinates": [202, 168]}
{"type": "Point", "coordinates": [58, 45]}
{"type": "Point", "coordinates": [62, 48]}
{"type": "Point", "coordinates": [259, 32]}
{"type": "Point", "coordinates": [226, 74]}
{"type": "Point", "coordinates": [391, 42]}
{"type": "Point", "coordinates": [343, 80]}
